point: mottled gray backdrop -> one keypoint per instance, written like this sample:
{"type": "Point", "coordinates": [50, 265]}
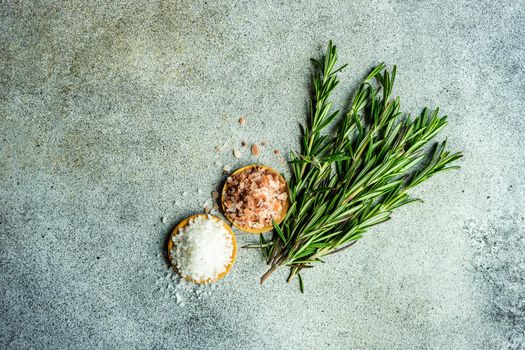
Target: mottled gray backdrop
{"type": "Point", "coordinates": [109, 111]}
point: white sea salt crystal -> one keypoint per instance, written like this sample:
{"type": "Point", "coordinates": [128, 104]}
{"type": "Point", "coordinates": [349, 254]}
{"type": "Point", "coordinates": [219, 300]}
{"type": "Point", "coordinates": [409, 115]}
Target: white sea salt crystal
{"type": "Point", "coordinates": [179, 299]}
{"type": "Point", "coordinates": [163, 219]}
{"type": "Point", "coordinates": [203, 249]}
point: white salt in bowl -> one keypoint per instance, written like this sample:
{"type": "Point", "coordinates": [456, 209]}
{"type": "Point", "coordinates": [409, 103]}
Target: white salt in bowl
{"type": "Point", "coordinates": [233, 256]}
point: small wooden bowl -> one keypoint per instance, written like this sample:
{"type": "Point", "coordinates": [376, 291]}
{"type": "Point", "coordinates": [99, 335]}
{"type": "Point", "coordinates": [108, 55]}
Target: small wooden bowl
{"type": "Point", "coordinates": [284, 209]}
{"type": "Point", "coordinates": [185, 222]}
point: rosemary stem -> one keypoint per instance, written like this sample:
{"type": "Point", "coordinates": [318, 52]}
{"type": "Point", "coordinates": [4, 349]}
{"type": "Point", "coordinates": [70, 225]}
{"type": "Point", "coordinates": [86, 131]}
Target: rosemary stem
{"type": "Point", "coordinates": [269, 272]}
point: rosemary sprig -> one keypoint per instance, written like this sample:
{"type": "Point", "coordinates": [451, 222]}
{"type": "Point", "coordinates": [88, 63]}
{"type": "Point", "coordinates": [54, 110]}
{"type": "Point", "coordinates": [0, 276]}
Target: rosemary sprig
{"type": "Point", "coordinates": [344, 183]}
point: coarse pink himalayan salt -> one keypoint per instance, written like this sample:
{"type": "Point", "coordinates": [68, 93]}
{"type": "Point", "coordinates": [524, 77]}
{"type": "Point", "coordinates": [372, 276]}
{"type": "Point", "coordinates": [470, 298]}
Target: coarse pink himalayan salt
{"type": "Point", "coordinates": [254, 197]}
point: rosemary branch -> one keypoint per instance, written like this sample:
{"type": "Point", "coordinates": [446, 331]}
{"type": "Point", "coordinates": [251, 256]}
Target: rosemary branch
{"type": "Point", "coordinates": [345, 182]}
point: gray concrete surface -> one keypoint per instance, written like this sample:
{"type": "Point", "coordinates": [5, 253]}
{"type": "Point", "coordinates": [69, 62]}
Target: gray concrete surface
{"type": "Point", "coordinates": [110, 110]}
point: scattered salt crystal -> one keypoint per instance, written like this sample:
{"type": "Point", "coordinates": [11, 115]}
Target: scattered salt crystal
{"type": "Point", "coordinates": [184, 193]}
{"type": "Point", "coordinates": [179, 299]}
{"type": "Point", "coordinates": [163, 219]}
{"type": "Point", "coordinates": [255, 150]}
{"type": "Point", "coordinates": [199, 191]}
{"type": "Point", "coordinates": [217, 163]}
{"type": "Point", "coordinates": [217, 148]}
{"type": "Point", "coordinates": [237, 154]}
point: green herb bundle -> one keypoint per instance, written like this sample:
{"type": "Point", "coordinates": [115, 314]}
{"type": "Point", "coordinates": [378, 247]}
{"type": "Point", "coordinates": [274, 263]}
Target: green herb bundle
{"type": "Point", "coordinates": [353, 177]}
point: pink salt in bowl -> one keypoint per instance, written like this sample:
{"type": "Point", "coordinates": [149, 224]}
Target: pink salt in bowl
{"type": "Point", "coordinates": [280, 214]}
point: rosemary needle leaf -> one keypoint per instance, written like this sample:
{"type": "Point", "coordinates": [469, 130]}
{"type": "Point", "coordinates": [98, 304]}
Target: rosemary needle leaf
{"type": "Point", "coordinates": [353, 177]}
{"type": "Point", "coordinates": [279, 231]}
{"type": "Point", "coordinates": [301, 284]}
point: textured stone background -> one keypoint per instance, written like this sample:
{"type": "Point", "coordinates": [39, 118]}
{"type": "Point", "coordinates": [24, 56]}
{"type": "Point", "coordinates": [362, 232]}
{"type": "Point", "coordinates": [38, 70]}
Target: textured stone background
{"type": "Point", "coordinates": [109, 111]}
